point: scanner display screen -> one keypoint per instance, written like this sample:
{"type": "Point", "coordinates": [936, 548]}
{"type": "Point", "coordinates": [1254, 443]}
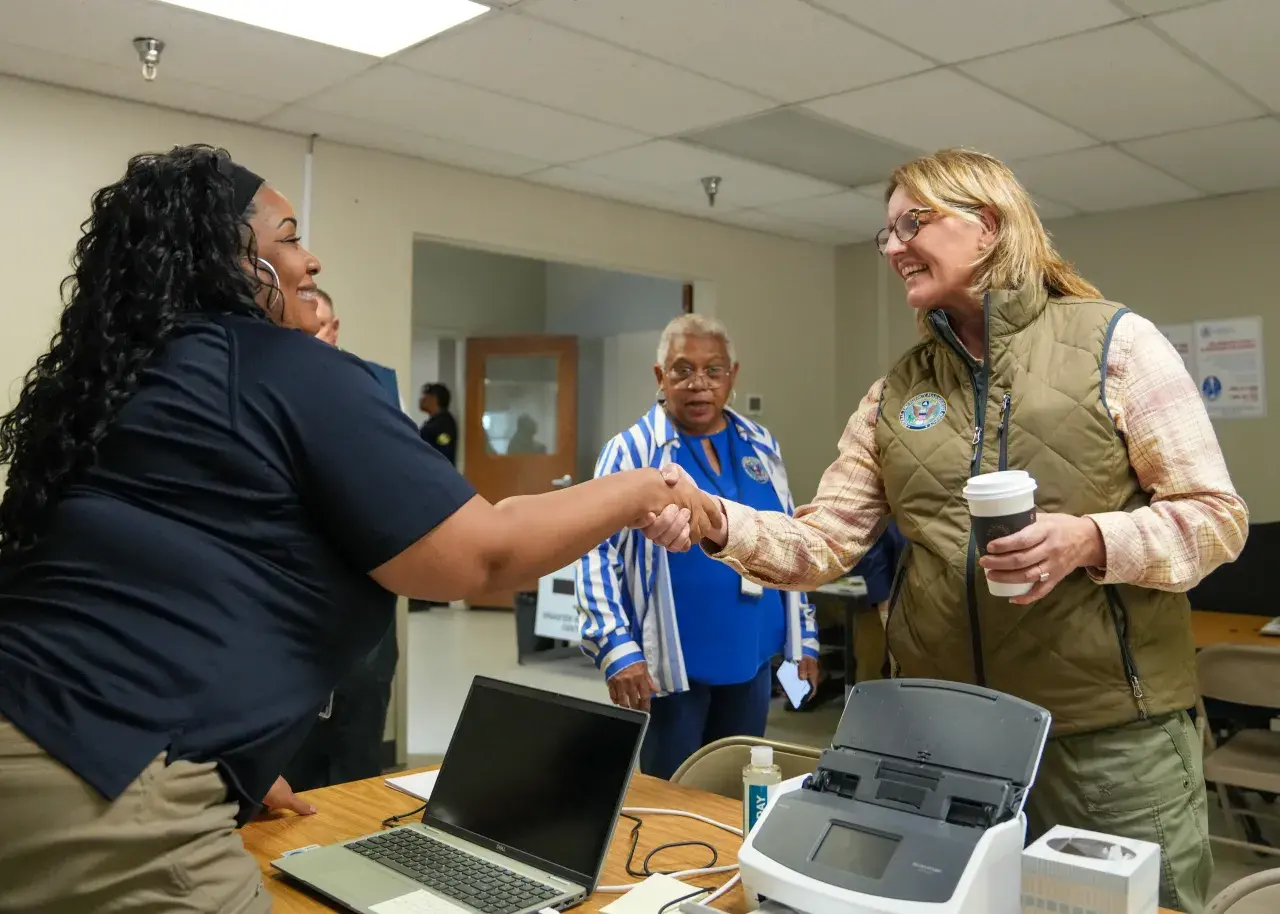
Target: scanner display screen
{"type": "Point", "coordinates": [863, 853]}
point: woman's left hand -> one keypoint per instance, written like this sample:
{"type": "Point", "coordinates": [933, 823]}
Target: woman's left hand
{"type": "Point", "coordinates": [281, 796]}
{"type": "Point", "coordinates": [809, 670]}
{"type": "Point", "coordinates": [1044, 553]}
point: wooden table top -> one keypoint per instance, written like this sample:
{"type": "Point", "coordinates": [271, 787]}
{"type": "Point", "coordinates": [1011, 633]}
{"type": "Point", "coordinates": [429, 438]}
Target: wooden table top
{"type": "Point", "coordinates": [1230, 628]}
{"type": "Point", "coordinates": [350, 810]}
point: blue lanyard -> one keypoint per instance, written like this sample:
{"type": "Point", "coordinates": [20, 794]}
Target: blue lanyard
{"type": "Point", "coordinates": [695, 450]}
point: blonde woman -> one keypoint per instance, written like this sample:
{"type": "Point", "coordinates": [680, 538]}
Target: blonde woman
{"type": "Point", "coordinates": [1024, 365]}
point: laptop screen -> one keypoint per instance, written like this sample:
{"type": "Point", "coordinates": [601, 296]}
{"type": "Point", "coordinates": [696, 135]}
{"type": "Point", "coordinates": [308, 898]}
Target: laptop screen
{"type": "Point", "coordinates": [538, 773]}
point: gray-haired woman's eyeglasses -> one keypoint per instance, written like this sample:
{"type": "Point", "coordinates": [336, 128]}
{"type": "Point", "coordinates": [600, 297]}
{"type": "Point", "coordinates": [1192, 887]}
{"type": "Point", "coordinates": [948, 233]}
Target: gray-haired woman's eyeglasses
{"type": "Point", "coordinates": [684, 375]}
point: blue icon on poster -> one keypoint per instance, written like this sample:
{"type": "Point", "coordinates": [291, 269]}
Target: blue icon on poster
{"type": "Point", "coordinates": [1211, 387]}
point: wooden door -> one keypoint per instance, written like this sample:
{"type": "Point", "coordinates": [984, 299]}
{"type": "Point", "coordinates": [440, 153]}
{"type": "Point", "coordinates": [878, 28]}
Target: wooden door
{"type": "Point", "coordinates": [521, 422]}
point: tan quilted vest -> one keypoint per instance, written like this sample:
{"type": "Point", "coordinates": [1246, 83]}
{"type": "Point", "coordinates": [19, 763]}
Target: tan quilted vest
{"type": "Point", "coordinates": [1094, 656]}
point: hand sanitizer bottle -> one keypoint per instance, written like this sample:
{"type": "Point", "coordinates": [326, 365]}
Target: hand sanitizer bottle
{"type": "Point", "coordinates": [757, 778]}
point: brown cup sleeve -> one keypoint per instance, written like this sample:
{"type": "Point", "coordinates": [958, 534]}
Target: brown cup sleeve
{"type": "Point", "coordinates": [987, 530]}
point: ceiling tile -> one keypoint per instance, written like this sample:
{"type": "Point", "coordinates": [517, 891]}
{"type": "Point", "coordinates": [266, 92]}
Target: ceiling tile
{"type": "Point", "coordinates": [852, 213]}
{"type": "Point", "coordinates": [949, 31]}
{"type": "Point", "coordinates": [1119, 83]}
{"type": "Point", "coordinates": [1225, 159]}
{"type": "Point", "coordinates": [585, 182]}
{"type": "Point", "coordinates": [794, 139]}
{"type": "Point", "coordinates": [1052, 209]}
{"type": "Point", "coordinates": [1150, 7]}
{"type": "Point", "coordinates": [943, 108]}
{"type": "Point", "coordinates": [355, 132]}
{"type": "Point", "coordinates": [199, 49]}
{"type": "Point", "coordinates": [681, 167]}
{"type": "Point", "coordinates": [571, 72]}
{"type": "Point", "coordinates": [405, 99]}
{"type": "Point", "coordinates": [1099, 179]}
{"type": "Point", "coordinates": [127, 83]}
{"type": "Point", "coordinates": [784, 49]}
{"type": "Point", "coordinates": [874, 191]}
{"type": "Point", "coordinates": [1237, 38]}
{"type": "Point", "coordinates": [761, 221]}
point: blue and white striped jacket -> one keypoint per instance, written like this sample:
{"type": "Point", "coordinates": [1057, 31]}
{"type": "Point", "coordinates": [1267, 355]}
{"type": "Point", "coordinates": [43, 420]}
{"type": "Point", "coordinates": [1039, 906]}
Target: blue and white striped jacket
{"type": "Point", "coordinates": [624, 585]}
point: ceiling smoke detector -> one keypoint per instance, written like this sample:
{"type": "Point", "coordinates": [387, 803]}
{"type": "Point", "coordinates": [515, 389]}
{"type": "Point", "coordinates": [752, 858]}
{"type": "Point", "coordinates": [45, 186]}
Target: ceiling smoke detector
{"type": "Point", "coordinates": [711, 184]}
{"type": "Point", "coordinates": [149, 50]}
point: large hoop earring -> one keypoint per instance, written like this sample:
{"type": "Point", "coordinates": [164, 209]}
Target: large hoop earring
{"type": "Point", "coordinates": [733, 396]}
{"type": "Point", "coordinates": [660, 397]}
{"type": "Point", "coordinates": [275, 280]}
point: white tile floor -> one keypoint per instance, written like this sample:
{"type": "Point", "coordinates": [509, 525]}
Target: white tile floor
{"type": "Point", "coordinates": [446, 647]}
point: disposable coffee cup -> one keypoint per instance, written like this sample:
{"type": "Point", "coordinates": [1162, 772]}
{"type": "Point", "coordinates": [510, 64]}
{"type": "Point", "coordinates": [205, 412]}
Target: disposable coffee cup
{"type": "Point", "coordinates": [1001, 504]}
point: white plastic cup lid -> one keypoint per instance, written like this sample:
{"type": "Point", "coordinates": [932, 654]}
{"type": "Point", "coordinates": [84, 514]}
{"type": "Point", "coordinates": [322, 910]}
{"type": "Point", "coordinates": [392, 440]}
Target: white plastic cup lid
{"type": "Point", "coordinates": [761, 756]}
{"type": "Point", "coordinates": [1001, 484]}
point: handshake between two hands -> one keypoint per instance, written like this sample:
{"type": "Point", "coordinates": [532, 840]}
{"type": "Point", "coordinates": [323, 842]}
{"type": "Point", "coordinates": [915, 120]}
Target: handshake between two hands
{"type": "Point", "coordinates": [690, 515]}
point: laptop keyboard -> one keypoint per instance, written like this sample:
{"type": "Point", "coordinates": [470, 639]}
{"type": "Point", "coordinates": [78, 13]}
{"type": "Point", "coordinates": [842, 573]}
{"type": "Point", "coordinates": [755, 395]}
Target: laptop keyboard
{"type": "Point", "coordinates": [467, 879]}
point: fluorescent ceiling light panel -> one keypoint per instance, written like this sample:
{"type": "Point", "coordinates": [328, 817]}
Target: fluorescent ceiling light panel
{"type": "Point", "coordinates": [375, 27]}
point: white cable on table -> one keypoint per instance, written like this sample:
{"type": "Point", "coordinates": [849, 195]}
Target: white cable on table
{"type": "Point", "coordinates": [707, 871]}
{"type": "Point", "coordinates": [724, 889]}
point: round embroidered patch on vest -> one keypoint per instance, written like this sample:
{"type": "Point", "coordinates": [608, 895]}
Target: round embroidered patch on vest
{"type": "Point", "coordinates": [755, 469]}
{"type": "Point", "coordinates": [923, 411]}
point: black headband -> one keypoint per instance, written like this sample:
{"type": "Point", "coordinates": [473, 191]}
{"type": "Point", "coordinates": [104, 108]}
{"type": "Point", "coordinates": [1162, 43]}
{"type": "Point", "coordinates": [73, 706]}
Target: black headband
{"type": "Point", "coordinates": [244, 184]}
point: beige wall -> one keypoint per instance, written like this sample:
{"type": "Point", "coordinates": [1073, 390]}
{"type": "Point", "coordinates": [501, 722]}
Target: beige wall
{"type": "Point", "coordinates": [1172, 264]}
{"type": "Point", "coordinates": [57, 146]}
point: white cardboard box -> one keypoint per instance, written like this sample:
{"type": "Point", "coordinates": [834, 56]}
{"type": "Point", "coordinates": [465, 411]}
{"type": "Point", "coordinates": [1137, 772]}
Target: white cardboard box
{"type": "Point", "coordinates": [1073, 871]}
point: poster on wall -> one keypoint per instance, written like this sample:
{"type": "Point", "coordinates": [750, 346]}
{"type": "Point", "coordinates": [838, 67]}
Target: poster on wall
{"type": "Point", "coordinates": [1182, 336]}
{"type": "Point", "coordinates": [1229, 368]}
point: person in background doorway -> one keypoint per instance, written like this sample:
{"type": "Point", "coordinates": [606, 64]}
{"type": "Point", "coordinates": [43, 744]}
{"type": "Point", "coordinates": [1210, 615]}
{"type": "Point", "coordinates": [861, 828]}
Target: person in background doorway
{"type": "Point", "coordinates": [441, 432]}
{"type": "Point", "coordinates": [345, 743]}
{"type": "Point", "coordinates": [695, 646]}
{"type": "Point", "coordinates": [524, 440]}
{"type": "Point", "coordinates": [441, 429]}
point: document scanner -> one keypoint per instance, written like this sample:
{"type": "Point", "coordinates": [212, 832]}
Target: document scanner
{"type": "Point", "coordinates": [915, 809]}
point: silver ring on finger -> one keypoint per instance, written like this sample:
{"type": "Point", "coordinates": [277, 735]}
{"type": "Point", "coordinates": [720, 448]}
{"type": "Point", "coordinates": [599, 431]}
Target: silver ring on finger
{"type": "Point", "coordinates": [1044, 575]}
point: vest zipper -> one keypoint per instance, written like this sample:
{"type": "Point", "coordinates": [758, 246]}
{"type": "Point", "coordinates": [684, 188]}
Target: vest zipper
{"type": "Point", "coordinates": [895, 590]}
{"type": "Point", "coordinates": [1004, 432]}
{"type": "Point", "coordinates": [978, 375]}
{"type": "Point", "coordinates": [1120, 618]}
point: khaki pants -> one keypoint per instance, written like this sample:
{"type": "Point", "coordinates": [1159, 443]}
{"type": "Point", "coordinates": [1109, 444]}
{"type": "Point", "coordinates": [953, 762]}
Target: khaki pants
{"type": "Point", "coordinates": [1144, 780]}
{"type": "Point", "coordinates": [167, 845]}
{"type": "Point", "coordinates": [868, 643]}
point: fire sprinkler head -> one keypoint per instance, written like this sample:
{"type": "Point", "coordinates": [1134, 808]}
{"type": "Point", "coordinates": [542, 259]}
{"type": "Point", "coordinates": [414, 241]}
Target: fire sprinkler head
{"type": "Point", "coordinates": [711, 184]}
{"type": "Point", "coordinates": [149, 50]}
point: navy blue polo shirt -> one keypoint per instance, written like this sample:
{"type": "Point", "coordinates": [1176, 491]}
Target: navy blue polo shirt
{"type": "Point", "coordinates": [203, 587]}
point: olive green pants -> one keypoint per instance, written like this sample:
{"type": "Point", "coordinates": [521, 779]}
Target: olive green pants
{"type": "Point", "coordinates": [1145, 781]}
{"type": "Point", "coordinates": [167, 845]}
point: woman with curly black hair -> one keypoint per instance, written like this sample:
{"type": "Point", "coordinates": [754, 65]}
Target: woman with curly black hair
{"type": "Point", "coordinates": [198, 492]}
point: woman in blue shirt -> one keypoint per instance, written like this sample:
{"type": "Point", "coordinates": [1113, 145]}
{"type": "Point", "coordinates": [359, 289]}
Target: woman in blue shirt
{"type": "Point", "coordinates": [681, 634]}
{"type": "Point", "coordinates": [208, 516]}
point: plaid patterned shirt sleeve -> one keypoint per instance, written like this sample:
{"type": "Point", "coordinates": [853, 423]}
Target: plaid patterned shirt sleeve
{"type": "Point", "coordinates": [1195, 521]}
{"type": "Point", "coordinates": [827, 537]}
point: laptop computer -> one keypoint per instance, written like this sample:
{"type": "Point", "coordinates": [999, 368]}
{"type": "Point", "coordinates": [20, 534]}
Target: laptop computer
{"type": "Point", "coordinates": [520, 818]}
